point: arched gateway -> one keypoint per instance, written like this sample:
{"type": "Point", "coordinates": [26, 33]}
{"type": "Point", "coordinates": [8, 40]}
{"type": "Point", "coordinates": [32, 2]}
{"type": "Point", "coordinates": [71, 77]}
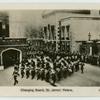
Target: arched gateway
{"type": "Point", "coordinates": [10, 56]}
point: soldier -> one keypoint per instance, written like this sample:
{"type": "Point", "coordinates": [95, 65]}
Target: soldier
{"type": "Point", "coordinates": [33, 63]}
{"type": "Point", "coordinates": [82, 67]}
{"type": "Point", "coordinates": [15, 75]}
{"type": "Point", "coordinates": [16, 67]}
{"type": "Point", "coordinates": [58, 71]}
{"type": "Point", "coordinates": [38, 73]}
{"type": "Point", "coordinates": [76, 66]}
{"type": "Point", "coordinates": [47, 75]}
{"type": "Point", "coordinates": [27, 71]}
{"type": "Point", "coordinates": [98, 60]}
{"type": "Point", "coordinates": [42, 74]}
{"type": "Point", "coordinates": [69, 70]}
{"type": "Point", "coordinates": [22, 70]}
{"type": "Point", "coordinates": [53, 76]}
{"type": "Point", "coordinates": [72, 66]}
{"type": "Point", "coordinates": [22, 73]}
{"type": "Point", "coordinates": [32, 73]}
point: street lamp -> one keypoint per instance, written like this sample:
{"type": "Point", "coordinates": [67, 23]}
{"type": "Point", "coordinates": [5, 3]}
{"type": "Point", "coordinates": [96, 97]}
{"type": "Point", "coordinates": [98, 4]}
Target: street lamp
{"type": "Point", "coordinates": [89, 36]}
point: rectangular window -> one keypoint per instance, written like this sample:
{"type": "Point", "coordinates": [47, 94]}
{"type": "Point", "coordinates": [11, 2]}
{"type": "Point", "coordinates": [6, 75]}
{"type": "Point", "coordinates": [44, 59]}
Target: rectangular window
{"type": "Point", "coordinates": [4, 30]}
{"type": "Point", "coordinates": [45, 29]}
{"type": "Point", "coordinates": [53, 31]}
{"type": "Point", "coordinates": [63, 32]}
{"type": "Point", "coordinates": [7, 30]}
{"type": "Point", "coordinates": [67, 28]}
{"type": "Point", "coordinates": [45, 32]}
{"type": "Point", "coordinates": [1, 29]}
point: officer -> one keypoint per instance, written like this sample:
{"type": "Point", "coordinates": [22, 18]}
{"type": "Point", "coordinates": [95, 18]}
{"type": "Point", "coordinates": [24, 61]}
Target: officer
{"type": "Point", "coordinates": [15, 75]}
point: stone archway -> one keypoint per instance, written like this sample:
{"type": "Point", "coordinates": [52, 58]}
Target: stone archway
{"type": "Point", "coordinates": [9, 56]}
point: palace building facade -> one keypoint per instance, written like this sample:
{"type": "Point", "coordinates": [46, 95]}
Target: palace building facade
{"type": "Point", "coordinates": [68, 29]}
{"type": "Point", "coordinates": [12, 39]}
{"type": "Point", "coordinates": [64, 30]}
{"type": "Point", "coordinates": [14, 36]}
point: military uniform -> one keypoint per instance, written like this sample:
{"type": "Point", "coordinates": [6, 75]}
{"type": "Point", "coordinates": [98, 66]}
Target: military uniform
{"type": "Point", "coordinates": [82, 67]}
{"type": "Point", "coordinates": [15, 75]}
{"type": "Point", "coordinates": [53, 76]}
{"type": "Point", "coordinates": [27, 71]}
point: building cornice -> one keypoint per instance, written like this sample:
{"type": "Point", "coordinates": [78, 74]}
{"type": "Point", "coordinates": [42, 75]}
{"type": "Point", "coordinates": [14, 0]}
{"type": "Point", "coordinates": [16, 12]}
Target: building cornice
{"type": "Point", "coordinates": [84, 17]}
{"type": "Point", "coordinates": [81, 12]}
{"type": "Point", "coordinates": [81, 16]}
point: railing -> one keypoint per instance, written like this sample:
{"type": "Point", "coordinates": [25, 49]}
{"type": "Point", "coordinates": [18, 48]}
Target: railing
{"type": "Point", "coordinates": [13, 41]}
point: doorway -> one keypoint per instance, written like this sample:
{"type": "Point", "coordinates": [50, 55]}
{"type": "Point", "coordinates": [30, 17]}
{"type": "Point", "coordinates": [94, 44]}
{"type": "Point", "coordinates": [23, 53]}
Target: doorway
{"type": "Point", "coordinates": [10, 56]}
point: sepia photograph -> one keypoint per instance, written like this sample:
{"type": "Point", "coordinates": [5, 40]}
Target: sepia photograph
{"type": "Point", "coordinates": [50, 47]}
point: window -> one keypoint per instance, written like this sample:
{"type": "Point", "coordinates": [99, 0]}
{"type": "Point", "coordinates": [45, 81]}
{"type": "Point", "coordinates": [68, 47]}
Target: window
{"type": "Point", "coordinates": [67, 28]}
{"type": "Point", "coordinates": [63, 32]}
{"type": "Point", "coordinates": [53, 31]}
{"type": "Point", "coordinates": [1, 29]}
{"type": "Point", "coordinates": [4, 25]}
{"type": "Point", "coordinates": [4, 30]}
{"type": "Point", "coordinates": [45, 31]}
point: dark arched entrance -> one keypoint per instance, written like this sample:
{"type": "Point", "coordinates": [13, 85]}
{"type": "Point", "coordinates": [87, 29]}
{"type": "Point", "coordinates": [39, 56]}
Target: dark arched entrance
{"type": "Point", "coordinates": [10, 57]}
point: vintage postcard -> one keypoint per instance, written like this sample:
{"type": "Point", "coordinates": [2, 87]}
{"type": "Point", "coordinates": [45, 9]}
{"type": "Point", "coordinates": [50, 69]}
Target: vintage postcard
{"type": "Point", "coordinates": [49, 49]}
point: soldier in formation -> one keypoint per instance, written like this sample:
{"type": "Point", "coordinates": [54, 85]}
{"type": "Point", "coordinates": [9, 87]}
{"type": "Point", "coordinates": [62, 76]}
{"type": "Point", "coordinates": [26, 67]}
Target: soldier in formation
{"type": "Point", "coordinates": [16, 74]}
{"type": "Point", "coordinates": [50, 67]}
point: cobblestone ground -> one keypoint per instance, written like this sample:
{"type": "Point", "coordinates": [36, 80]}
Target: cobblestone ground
{"type": "Point", "coordinates": [91, 77]}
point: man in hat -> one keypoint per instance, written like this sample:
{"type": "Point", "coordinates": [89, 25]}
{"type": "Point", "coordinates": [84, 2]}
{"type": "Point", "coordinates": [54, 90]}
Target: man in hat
{"type": "Point", "coordinates": [82, 67]}
{"type": "Point", "coordinates": [27, 70]}
{"type": "Point", "coordinates": [15, 75]}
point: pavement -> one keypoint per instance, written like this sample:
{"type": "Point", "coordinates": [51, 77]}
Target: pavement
{"type": "Point", "coordinates": [6, 79]}
{"type": "Point", "coordinates": [90, 77]}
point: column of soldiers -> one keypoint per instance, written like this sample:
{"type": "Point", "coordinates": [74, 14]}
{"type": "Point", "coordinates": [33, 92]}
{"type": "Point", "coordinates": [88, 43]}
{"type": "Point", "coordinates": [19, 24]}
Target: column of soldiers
{"type": "Point", "coordinates": [48, 66]}
{"type": "Point", "coordinates": [91, 59]}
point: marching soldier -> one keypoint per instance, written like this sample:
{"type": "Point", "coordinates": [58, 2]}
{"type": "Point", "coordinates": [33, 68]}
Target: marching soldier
{"type": "Point", "coordinates": [33, 63]}
{"type": "Point", "coordinates": [27, 71]}
{"type": "Point", "coordinates": [22, 73]}
{"type": "Point", "coordinates": [42, 74]}
{"type": "Point", "coordinates": [82, 67]}
{"type": "Point", "coordinates": [16, 67]}
{"type": "Point", "coordinates": [32, 73]}
{"type": "Point", "coordinates": [58, 72]}
{"type": "Point", "coordinates": [72, 67]}
{"type": "Point", "coordinates": [15, 75]}
{"type": "Point", "coordinates": [22, 70]}
{"type": "Point", "coordinates": [53, 76]}
{"type": "Point", "coordinates": [47, 75]}
{"type": "Point", "coordinates": [38, 73]}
